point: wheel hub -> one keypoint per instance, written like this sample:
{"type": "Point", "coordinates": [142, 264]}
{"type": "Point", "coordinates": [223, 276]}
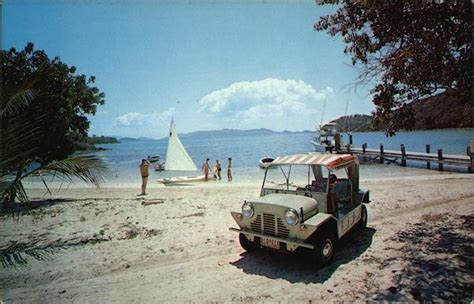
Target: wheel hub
{"type": "Point", "coordinates": [327, 249]}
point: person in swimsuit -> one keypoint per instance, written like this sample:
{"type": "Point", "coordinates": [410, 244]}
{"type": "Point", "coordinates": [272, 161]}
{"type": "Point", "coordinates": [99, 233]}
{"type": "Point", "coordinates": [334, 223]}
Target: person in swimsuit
{"type": "Point", "coordinates": [206, 168]}
{"type": "Point", "coordinates": [229, 169]}
{"type": "Point", "coordinates": [217, 170]}
{"type": "Point", "coordinates": [144, 171]}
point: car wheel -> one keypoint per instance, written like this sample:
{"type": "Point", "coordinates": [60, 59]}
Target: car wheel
{"type": "Point", "coordinates": [246, 243]}
{"type": "Point", "coordinates": [325, 249]}
{"type": "Point", "coordinates": [363, 218]}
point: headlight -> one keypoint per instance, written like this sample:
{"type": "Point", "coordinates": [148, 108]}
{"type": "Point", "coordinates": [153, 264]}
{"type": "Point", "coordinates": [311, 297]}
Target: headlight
{"type": "Point", "coordinates": [291, 217]}
{"type": "Point", "coordinates": [247, 210]}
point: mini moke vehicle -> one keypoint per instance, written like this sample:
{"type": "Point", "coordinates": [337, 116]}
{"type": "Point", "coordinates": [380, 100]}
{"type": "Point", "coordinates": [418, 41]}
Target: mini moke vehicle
{"type": "Point", "coordinates": [306, 201]}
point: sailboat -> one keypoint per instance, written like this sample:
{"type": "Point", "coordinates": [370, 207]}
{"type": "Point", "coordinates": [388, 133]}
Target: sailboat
{"type": "Point", "coordinates": [178, 159]}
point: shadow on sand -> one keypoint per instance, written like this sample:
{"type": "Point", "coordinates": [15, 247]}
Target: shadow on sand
{"type": "Point", "coordinates": [18, 209]}
{"type": "Point", "coordinates": [298, 266]}
{"type": "Point", "coordinates": [439, 252]}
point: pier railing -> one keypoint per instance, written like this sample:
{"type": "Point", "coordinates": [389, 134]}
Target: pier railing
{"type": "Point", "coordinates": [403, 155]}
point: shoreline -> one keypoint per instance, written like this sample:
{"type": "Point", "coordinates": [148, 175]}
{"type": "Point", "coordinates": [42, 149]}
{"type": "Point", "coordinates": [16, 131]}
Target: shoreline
{"type": "Point", "coordinates": [414, 175]}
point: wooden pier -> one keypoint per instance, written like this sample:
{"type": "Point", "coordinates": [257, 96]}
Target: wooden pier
{"type": "Point", "coordinates": [403, 156]}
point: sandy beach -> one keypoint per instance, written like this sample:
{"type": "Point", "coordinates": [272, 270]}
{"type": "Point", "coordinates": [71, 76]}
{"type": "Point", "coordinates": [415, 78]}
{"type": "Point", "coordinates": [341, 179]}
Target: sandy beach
{"type": "Point", "coordinates": [173, 245]}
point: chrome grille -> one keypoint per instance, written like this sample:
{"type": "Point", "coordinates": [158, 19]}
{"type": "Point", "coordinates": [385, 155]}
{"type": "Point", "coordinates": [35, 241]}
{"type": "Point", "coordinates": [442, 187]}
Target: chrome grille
{"type": "Point", "coordinates": [282, 230]}
{"type": "Point", "coordinates": [270, 225]}
{"type": "Point", "coordinates": [257, 224]}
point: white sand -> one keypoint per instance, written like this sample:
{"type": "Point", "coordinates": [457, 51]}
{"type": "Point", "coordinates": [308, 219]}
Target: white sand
{"type": "Point", "coordinates": [109, 247]}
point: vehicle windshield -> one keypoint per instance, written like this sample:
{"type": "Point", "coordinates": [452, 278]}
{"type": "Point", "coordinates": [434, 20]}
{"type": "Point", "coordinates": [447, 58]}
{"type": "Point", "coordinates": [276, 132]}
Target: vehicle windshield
{"type": "Point", "coordinates": [297, 177]}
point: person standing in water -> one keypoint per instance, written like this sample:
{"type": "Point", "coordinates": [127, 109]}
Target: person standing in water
{"type": "Point", "coordinates": [144, 171]}
{"type": "Point", "coordinates": [206, 169]}
{"type": "Point", "coordinates": [229, 169]}
{"type": "Point", "coordinates": [217, 169]}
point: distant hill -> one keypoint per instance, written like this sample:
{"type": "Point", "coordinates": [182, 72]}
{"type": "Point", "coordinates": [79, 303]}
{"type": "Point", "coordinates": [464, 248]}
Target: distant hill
{"type": "Point", "coordinates": [129, 139]}
{"type": "Point", "coordinates": [88, 144]}
{"type": "Point", "coordinates": [94, 140]}
{"type": "Point", "coordinates": [437, 112]}
{"type": "Point", "coordinates": [237, 132]}
{"type": "Point", "coordinates": [442, 112]}
{"type": "Point", "coordinates": [355, 123]}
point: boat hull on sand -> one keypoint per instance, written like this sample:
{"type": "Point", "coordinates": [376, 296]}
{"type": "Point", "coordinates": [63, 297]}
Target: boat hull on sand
{"type": "Point", "coordinates": [184, 179]}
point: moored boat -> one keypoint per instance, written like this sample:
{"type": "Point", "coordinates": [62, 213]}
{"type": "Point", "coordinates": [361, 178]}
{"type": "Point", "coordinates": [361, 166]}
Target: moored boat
{"type": "Point", "coordinates": [265, 162]}
{"type": "Point", "coordinates": [328, 138]}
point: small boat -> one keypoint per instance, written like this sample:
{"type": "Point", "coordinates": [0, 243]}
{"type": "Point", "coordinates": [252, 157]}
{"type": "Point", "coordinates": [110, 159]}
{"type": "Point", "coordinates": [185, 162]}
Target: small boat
{"type": "Point", "coordinates": [265, 161]}
{"type": "Point", "coordinates": [328, 138]}
{"type": "Point", "coordinates": [178, 159]}
{"type": "Point", "coordinates": [159, 166]}
{"type": "Point", "coordinates": [185, 179]}
{"type": "Point", "coordinates": [155, 160]}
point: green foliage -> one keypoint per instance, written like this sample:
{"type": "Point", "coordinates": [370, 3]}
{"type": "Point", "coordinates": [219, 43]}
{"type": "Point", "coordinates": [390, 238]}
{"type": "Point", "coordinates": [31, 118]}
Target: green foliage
{"type": "Point", "coordinates": [411, 50]}
{"type": "Point", "coordinates": [43, 113]}
{"type": "Point", "coordinates": [94, 140]}
{"type": "Point", "coordinates": [62, 99]}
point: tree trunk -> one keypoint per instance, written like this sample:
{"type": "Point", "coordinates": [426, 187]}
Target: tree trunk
{"type": "Point", "coordinates": [10, 194]}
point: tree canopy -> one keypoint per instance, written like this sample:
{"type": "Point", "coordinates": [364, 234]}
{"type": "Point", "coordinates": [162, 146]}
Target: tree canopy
{"type": "Point", "coordinates": [411, 50]}
{"type": "Point", "coordinates": [44, 108]}
{"type": "Point", "coordinates": [62, 98]}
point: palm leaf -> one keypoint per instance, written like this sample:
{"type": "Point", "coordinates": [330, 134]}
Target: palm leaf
{"type": "Point", "coordinates": [16, 101]}
{"type": "Point", "coordinates": [87, 168]}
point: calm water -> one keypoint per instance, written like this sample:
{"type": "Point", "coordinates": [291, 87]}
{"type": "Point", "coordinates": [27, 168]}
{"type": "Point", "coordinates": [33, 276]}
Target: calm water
{"type": "Point", "coordinates": [124, 158]}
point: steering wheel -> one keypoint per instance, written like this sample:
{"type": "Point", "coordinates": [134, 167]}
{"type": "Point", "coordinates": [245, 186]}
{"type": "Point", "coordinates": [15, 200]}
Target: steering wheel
{"type": "Point", "coordinates": [307, 188]}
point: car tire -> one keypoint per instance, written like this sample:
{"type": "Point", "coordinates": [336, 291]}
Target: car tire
{"type": "Point", "coordinates": [325, 249]}
{"type": "Point", "coordinates": [363, 218]}
{"type": "Point", "coordinates": [246, 243]}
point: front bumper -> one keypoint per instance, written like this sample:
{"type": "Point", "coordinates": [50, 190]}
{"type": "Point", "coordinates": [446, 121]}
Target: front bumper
{"type": "Point", "coordinates": [293, 244]}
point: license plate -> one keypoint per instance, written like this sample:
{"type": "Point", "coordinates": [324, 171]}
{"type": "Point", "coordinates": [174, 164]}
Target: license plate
{"type": "Point", "coordinates": [270, 243]}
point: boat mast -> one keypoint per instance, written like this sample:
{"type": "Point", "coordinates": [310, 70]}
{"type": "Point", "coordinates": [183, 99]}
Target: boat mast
{"type": "Point", "coordinates": [324, 108]}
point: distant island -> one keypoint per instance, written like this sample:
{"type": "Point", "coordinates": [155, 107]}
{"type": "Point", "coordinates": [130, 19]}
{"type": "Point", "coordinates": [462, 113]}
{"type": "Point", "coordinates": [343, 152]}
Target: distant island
{"type": "Point", "coordinates": [238, 132]}
{"type": "Point", "coordinates": [90, 143]}
{"type": "Point", "coordinates": [437, 112]}
{"type": "Point", "coordinates": [97, 140]}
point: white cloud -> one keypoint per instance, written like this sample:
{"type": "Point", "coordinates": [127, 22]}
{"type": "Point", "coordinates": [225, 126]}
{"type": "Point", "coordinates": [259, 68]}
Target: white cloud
{"type": "Point", "coordinates": [270, 103]}
{"type": "Point", "coordinates": [135, 124]}
{"type": "Point", "coordinates": [134, 119]}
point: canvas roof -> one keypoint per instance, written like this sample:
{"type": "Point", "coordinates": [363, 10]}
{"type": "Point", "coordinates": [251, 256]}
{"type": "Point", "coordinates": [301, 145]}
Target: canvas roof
{"type": "Point", "coordinates": [331, 161]}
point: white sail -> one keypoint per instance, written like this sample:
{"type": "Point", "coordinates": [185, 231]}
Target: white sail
{"type": "Point", "coordinates": [177, 158]}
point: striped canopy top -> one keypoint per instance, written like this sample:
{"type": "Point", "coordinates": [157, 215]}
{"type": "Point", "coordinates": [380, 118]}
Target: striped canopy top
{"type": "Point", "coordinates": [331, 161]}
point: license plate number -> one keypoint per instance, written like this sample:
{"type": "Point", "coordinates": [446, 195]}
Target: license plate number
{"type": "Point", "coordinates": [270, 243]}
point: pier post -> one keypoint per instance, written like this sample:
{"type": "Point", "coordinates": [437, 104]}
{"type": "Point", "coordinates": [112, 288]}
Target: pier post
{"type": "Point", "coordinates": [428, 164]}
{"type": "Point", "coordinates": [381, 154]}
{"type": "Point", "coordinates": [350, 139]}
{"type": "Point", "coordinates": [404, 155]}
{"type": "Point", "coordinates": [337, 142]}
{"type": "Point", "coordinates": [364, 146]}
{"type": "Point", "coordinates": [470, 152]}
{"type": "Point", "coordinates": [440, 159]}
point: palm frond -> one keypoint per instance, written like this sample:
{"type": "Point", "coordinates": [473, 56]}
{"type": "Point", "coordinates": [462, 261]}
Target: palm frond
{"type": "Point", "coordinates": [18, 141]}
{"type": "Point", "coordinates": [15, 102]}
{"type": "Point", "coordinates": [20, 192]}
{"type": "Point", "coordinates": [87, 168]}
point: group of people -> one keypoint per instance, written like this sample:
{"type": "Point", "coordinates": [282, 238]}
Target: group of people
{"type": "Point", "coordinates": [206, 168]}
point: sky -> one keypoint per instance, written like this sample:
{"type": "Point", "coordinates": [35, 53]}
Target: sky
{"type": "Point", "coordinates": [208, 64]}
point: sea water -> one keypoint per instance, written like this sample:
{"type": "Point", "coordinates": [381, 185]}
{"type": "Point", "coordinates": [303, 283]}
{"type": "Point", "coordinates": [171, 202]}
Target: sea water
{"type": "Point", "coordinates": [124, 158]}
